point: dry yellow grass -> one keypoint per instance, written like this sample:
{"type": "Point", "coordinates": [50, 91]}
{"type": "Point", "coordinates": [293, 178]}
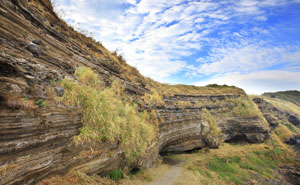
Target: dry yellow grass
{"type": "Point", "coordinates": [146, 176]}
{"type": "Point", "coordinates": [284, 105]}
{"type": "Point", "coordinates": [108, 116]}
{"type": "Point", "coordinates": [168, 89]}
{"type": "Point", "coordinates": [77, 177]}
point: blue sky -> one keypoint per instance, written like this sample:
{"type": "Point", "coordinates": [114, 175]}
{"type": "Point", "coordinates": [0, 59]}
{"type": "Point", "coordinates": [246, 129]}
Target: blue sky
{"type": "Point", "coordinates": [253, 44]}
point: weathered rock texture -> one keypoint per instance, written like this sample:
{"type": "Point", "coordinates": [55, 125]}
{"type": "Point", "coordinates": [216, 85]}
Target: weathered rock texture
{"type": "Point", "coordinates": [184, 126]}
{"type": "Point", "coordinates": [36, 141]}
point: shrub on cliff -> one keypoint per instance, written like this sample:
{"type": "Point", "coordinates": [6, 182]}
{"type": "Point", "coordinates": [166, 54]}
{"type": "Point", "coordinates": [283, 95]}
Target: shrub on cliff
{"type": "Point", "coordinates": [108, 115]}
{"type": "Point", "coordinates": [213, 127]}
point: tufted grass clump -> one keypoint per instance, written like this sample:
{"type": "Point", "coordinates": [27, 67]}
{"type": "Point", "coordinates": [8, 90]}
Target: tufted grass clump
{"type": "Point", "coordinates": [116, 175]}
{"type": "Point", "coordinates": [155, 97]}
{"type": "Point", "coordinates": [244, 107]}
{"type": "Point", "coordinates": [214, 129]}
{"type": "Point", "coordinates": [108, 116]}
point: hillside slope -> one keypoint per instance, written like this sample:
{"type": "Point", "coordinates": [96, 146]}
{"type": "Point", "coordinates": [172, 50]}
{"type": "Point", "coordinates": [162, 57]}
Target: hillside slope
{"type": "Point", "coordinates": [291, 96]}
{"type": "Point", "coordinates": [49, 121]}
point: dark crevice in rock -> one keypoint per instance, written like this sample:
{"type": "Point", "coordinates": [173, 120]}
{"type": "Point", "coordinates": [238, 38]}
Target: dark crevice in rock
{"type": "Point", "coordinates": [134, 171]}
{"type": "Point", "coordinates": [293, 119]}
{"type": "Point", "coordinates": [190, 151]}
{"type": "Point", "coordinates": [7, 70]}
{"type": "Point", "coordinates": [238, 139]}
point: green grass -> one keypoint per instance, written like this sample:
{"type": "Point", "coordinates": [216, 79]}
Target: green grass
{"type": "Point", "coordinates": [116, 175]}
{"type": "Point", "coordinates": [244, 107]}
{"type": "Point", "coordinates": [201, 171]}
{"type": "Point", "coordinates": [237, 169]}
{"type": "Point", "coordinates": [290, 126]}
{"type": "Point", "coordinates": [214, 130]}
{"type": "Point", "coordinates": [40, 103]}
{"type": "Point", "coordinates": [228, 169]}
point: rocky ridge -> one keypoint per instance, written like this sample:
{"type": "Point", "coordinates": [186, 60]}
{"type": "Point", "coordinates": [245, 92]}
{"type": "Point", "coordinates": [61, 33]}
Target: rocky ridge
{"type": "Point", "coordinates": [36, 141]}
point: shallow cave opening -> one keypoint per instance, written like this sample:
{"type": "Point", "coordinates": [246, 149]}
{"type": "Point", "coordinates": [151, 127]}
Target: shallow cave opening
{"type": "Point", "coordinates": [238, 139]}
{"type": "Point", "coordinates": [194, 150]}
{"type": "Point", "coordinates": [7, 70]}
{"type": "Point", "coordinates": [134, 171]}
{"type": "Point", "coordinates": [167, 153]}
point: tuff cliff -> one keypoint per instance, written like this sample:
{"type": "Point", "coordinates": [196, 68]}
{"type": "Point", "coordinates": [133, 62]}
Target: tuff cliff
{"type": "Point", "coordinates": [37, 133]}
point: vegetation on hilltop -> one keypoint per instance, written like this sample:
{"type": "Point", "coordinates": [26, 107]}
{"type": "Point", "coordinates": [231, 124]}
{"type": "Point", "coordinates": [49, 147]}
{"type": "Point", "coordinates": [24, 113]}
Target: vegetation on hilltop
{"type": "Point", "coordinates": [283, 105]}
{"type": "Point", "coordinates": [290, 96]}
{"type": "Point", "coordinates": [170, 90]}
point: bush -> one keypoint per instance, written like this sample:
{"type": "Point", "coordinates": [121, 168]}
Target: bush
{"type": "Point", "coordinates": [243, 107]}
{"type": "Point", "coordinates": [214, 129]}
{"type": "Point", "coordinates": [108, 115]}
{"type": "Point", "coordinates": [116, 174]}
{"type": "Point", "coordinates": [41, 103]}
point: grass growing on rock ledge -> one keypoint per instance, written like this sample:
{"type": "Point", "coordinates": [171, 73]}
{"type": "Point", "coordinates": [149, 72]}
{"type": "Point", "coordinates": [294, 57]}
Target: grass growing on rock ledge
{"type": "Point", "coordinates": [213, 127]}
{"type": "Point", "coordinates": [108, 115]}
{"type": "Point", "coordinates": [243, 107]}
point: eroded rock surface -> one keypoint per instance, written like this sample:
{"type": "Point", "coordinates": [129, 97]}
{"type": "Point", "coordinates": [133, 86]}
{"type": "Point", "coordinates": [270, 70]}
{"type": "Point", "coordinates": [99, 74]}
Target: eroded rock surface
{"type": "Point", "coordinates": [184, 126]}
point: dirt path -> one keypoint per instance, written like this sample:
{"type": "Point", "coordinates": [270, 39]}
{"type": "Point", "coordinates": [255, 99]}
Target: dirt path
{"type": "Point", "coordinates": [169, 178]}
{"type": "Point", "coordinates": [172, 175]}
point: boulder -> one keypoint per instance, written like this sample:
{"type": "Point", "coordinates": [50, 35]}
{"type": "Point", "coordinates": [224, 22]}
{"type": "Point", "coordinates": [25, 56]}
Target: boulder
{"type": "Point", "coordinates": [34, 49]}
{"type": "Point", "coordinates": [37, 42]}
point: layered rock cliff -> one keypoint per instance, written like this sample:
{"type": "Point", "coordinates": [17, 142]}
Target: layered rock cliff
{"type": "Point", "coordinates": [187, 121]}
{"type": "Point", "coordinates": [36, 133]}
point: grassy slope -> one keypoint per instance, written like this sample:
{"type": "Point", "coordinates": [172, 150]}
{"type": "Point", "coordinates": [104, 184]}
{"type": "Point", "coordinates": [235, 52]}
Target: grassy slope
{"type": "Point", "coordinates": [290, 96]}
{"type": "Point", "coordinates": [284, 105]}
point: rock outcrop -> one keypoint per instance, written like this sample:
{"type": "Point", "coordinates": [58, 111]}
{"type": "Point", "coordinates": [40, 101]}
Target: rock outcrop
{"type": "Point", "coordinates": [184, 126]}
{"type": "Point", "coordinates": [37, 49]}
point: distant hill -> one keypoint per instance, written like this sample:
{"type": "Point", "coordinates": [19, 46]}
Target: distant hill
{"type": "Point", "coordinates": [291, 96]}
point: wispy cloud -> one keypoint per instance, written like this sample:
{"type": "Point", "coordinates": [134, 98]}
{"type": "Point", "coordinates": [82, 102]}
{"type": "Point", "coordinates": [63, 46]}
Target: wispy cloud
{"type": "Point", "coordinates": [249, 57]}
{"type": "Point", "coordinates": [258, 82]}
{"type": "Point", "coordinates": [193, 38]}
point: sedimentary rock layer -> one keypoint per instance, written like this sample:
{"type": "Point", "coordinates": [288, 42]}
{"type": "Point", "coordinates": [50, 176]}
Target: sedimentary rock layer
{"type": "Point", "coordinates": [183, 126]}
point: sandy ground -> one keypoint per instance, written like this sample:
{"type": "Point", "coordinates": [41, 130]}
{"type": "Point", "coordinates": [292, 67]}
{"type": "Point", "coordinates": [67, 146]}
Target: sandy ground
{"type": "Point", "coordinates": [169, 178]}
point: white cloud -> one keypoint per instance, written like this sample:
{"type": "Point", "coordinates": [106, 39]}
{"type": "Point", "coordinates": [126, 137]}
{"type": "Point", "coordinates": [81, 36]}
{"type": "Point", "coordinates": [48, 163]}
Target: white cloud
{"type": "Point", "coordinates": [259, 82]}
{"type": "Point", "coordinates": [154, 35]}
{"type": "Point", "coordinates": [249, 57]}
